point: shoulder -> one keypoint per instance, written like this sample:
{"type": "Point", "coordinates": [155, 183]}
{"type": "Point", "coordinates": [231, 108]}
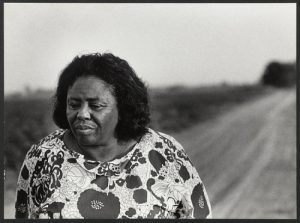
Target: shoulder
{"type": "Point", "coordinates": [156, 136]}
{"type": "Point", "coordinates": [51, 141]}
{"type": "Point", "coordinates": [54, 136]}
{"type": "Point", "coordinates": [39, 153]}
{"type": "Point", "coordinates": [163, 141]}
{"type": "Point", "coordinates": [164, 148]}
{"type": "Point", "coordinates": [169, 161]}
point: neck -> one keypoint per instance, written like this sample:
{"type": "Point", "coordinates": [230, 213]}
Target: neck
{"type": "Point", "coordinates": [106, 152]}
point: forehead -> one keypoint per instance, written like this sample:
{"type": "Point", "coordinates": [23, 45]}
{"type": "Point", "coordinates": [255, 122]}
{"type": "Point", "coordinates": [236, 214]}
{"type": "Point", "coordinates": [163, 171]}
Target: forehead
{"type": "Point", "coordinates": [90, 87]}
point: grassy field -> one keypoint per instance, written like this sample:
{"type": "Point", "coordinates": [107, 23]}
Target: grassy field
{"type": "Point", "coordinates": [177, 108]}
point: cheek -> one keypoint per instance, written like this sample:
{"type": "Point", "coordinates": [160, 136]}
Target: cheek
{"type": "Point", "coordinates": [71, 115]}
{"type": "Point", "coordinates": [114, 119]}
{"type": "Point", "coordinates": [110, 119]}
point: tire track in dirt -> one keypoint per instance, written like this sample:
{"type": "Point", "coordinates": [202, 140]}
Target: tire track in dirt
{"type": "Point", "coordinates": [267, 134]}
{"type": "Point", "coordinates": [236, 150]}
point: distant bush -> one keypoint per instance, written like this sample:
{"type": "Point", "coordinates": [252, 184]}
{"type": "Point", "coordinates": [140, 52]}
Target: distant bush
{"type": "Point", "coordinates": [279, 75]}
{"type": "Point", "coordinates": [25, 122]}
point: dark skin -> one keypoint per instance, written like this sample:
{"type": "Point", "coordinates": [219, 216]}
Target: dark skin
{"type": "Point", "coordinates": [92, 114]}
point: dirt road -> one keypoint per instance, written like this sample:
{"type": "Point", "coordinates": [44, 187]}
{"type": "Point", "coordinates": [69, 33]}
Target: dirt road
{"type": "Point", "coordinates": [247, 158]}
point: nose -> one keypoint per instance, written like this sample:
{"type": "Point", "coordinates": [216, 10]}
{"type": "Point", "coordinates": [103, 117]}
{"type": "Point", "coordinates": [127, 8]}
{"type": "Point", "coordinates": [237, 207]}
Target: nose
{"type": "Point", "coordinates": [83, 113]}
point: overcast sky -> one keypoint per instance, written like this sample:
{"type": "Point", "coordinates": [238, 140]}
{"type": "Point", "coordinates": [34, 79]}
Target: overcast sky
{"type": "Point", "coordinates": [166, 44]}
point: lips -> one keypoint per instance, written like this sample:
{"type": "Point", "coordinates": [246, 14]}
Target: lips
{"type": "Point", "coordinates": [84, 128]}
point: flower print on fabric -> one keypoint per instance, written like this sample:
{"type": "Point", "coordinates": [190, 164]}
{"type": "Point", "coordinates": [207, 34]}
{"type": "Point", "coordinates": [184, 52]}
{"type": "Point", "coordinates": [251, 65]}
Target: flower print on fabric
{"type": "Point", "coordinates": [88, 164]}
{"type": "Point", "coordinates": [21, 204]}
{"type": "Point", "coordinates": [46, 176]}
{"type": "Point", "coordinates": [140, 196]}
{"type": "Point", "coordinates": [183, 212]}
{"type": "Point", "coordinates": [180, 153]}
{"type": "Point", "coordinates": [172, 194]}
{"type": "Point", "coordinates": [157, 160]}
{"type": "Point", "coordinates": [168, 142]}
{"type": "Point", "coordinates": [130, 212]}
{"type": "Point", "coordinates": [170, 155]}
{"type": "Point", "coordinates": [156, 212]}
{"type": "Point", "coordinates": [98, 205]}
{"type": "Point", "coordinates": [153, 180]}
{"type": "Point", "coordinates": [35, 151]}
{"type": "Point", "coordinates": [75, 176]}
{"type": "Point", "coordinates": [133, 181]}
{"type": "Point", "coordinates": [101, 182]}
{"type": "Point", "coordinates": [25, 172]}
{"type": "Point", "coordinates": [136, 159]}
{"type": "Point", "coordinates": [200, 202]}
{"type": "Point", "coordinates": [109, 169]}
{"type": "Point", "coordinates": [54, 208]}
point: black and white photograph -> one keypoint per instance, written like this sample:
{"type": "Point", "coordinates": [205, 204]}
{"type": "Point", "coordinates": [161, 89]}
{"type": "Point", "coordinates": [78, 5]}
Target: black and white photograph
{"type": "Point", "coordinates": [150, 110]}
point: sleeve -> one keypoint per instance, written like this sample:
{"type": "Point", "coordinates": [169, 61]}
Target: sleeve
{"type": "Point", "coordinates": [21, 204]}
{"type": "Point", "coordinates": [195, 202]}
{"type": "Point", "coordinates": [23, 185]}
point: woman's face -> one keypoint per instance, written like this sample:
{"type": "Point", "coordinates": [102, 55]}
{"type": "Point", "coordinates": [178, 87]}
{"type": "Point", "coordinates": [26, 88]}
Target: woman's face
{"type": "Point", "coordinates": [92, 111]}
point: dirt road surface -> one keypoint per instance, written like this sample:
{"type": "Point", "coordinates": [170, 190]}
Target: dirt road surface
{"type": "Point", "coordinates": [247, 158]}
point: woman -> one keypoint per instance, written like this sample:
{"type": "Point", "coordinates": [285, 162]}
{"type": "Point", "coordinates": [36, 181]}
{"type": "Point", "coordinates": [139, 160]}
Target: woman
{"type": "Point", "coordinates": [105, 162]}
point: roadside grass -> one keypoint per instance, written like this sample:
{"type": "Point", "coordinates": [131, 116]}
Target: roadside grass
{"type": "Point", "coordinates": [177, 108]}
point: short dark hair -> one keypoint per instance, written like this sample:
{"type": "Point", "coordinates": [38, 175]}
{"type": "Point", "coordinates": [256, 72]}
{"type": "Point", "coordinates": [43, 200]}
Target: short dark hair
{"type": "Point", "coordinates": [130, 92]}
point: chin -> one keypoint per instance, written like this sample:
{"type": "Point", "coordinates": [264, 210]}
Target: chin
{"type": "Point", "coordinates": [85, 140]}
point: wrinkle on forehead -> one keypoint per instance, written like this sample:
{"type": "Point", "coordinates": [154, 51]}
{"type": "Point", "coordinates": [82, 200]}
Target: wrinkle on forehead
{"type": "Point", "coordinates": [84, 88]}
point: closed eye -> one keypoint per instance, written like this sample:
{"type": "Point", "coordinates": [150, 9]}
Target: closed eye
{"type": "Point", "coordinates": [97, 106]}
{"type": "Point", "coordinates": [73, 105]}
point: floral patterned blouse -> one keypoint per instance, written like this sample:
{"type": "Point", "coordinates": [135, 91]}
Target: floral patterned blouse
{"type": "Point", "coordinates": [155, 179]}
